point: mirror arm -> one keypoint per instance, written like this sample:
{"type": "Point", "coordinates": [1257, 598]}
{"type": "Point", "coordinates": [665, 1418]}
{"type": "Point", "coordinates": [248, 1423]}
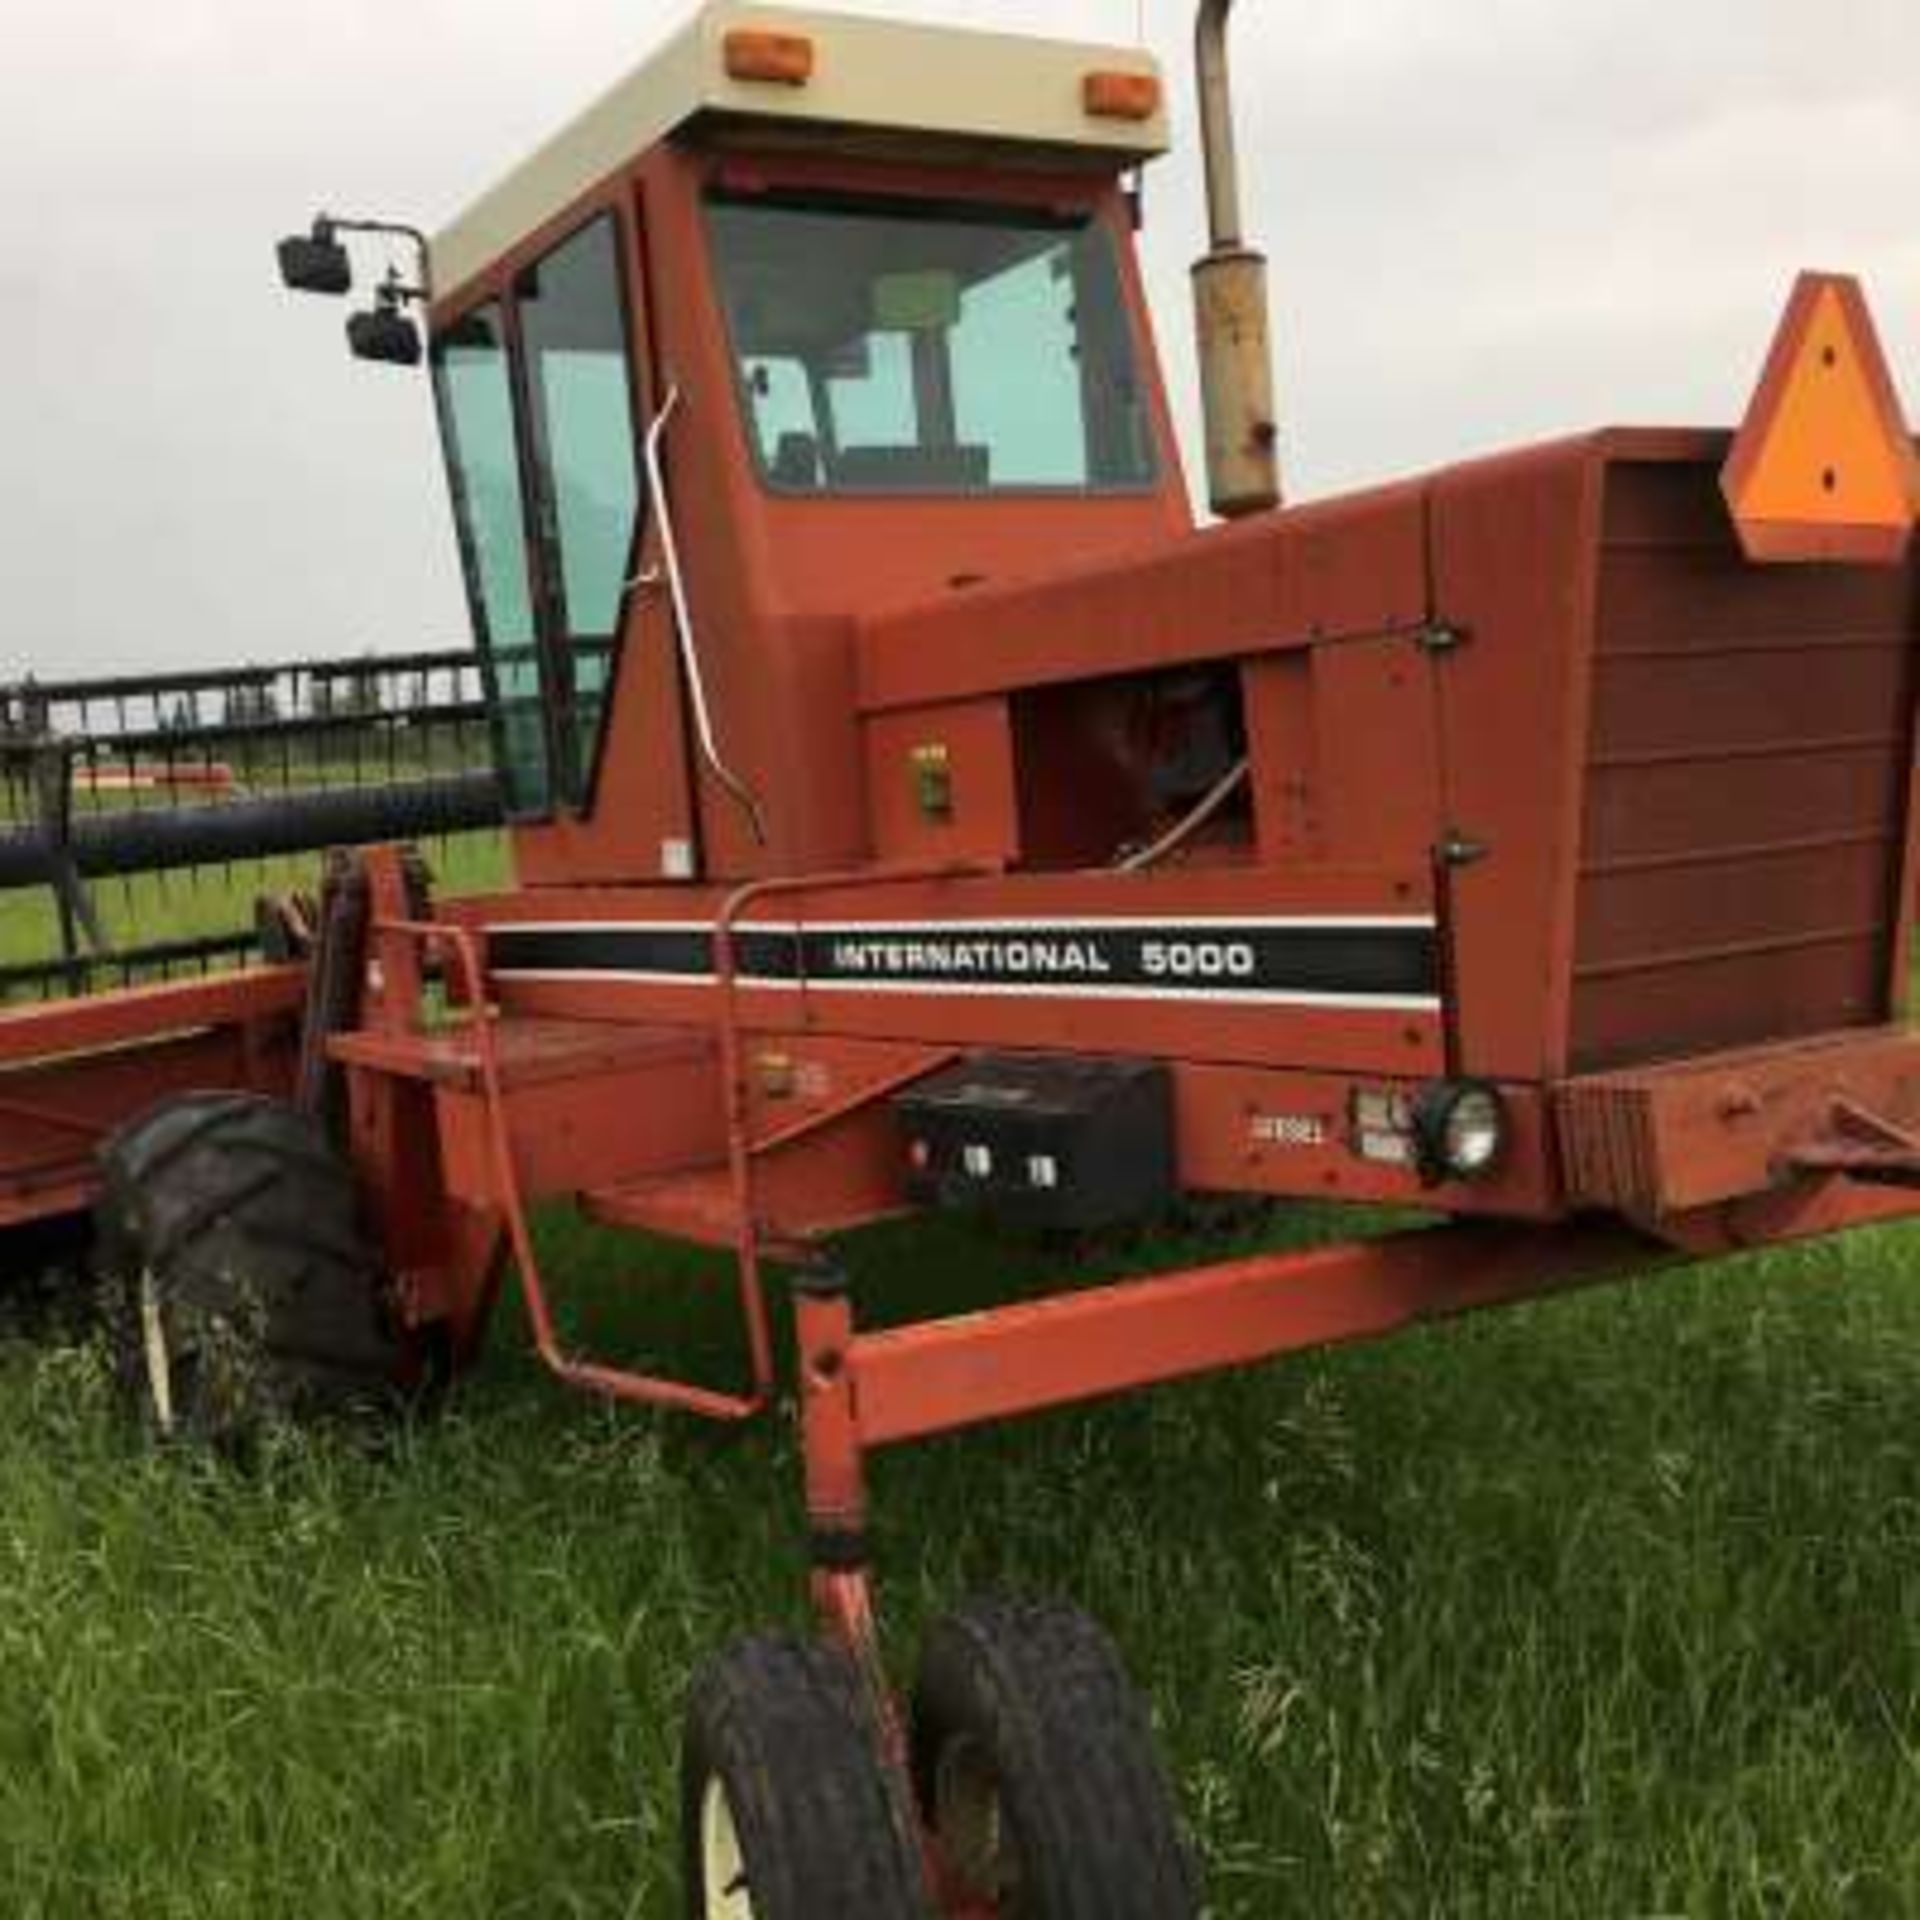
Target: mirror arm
{"type": "Point", "coordinates": [326, 225]}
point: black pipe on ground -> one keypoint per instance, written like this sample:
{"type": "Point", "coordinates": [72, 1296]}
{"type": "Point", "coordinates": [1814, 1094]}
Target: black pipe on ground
{"type": "Point", "coordinates": [151, 841]}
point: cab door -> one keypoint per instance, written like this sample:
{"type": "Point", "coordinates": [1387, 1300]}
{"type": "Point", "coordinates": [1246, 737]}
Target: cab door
{"type": "Point", "coordinates": [619, 804]}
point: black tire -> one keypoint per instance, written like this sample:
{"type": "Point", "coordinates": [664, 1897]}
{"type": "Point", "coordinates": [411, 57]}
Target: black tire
{"type": "Point", "coordinates": [784, 1780]}
{"type": "Point", "coordinates": [1037, 1771]}
{"type": "Point", "coordinates": [230, 1228]}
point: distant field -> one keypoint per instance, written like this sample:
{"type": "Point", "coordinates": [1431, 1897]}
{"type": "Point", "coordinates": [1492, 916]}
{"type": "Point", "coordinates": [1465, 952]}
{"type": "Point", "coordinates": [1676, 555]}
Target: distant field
{"type": "Point", "coordinates": [1608, 1607]}
{"type": "Point", "coordinates": [156, 907]}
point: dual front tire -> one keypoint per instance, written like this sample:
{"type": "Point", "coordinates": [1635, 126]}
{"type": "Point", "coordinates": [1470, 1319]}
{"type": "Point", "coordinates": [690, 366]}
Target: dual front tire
{"type": "Point", "coordinates": [1032, 1762]}
{"type": "Point", "coordinates": [789, 1810]}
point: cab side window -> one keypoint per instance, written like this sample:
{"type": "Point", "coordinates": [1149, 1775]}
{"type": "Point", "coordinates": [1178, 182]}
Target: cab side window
{"type": "Point", "coordinates": [474, 391]}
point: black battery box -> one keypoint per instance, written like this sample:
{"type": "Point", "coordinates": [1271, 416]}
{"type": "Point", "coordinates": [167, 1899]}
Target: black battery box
{"type": "Point", "coordinates": [1041, 1140]}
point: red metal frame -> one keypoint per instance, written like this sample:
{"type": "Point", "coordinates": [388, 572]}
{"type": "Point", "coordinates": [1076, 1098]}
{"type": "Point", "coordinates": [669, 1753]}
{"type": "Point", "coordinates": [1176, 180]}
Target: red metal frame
{"type": "Point", "coordinates": [914, 1382]}
{"type": "Point", "coordinates": [72, 1070]}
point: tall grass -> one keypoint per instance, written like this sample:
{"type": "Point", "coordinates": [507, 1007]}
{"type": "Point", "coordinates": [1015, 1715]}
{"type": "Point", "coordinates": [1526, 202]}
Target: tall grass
{"type": "Point", "coordinates": [1599, 1607]}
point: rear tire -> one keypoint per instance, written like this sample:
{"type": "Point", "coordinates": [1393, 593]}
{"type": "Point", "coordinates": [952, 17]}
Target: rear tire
{"type": "Point", "coordinates": [790, 1810]}
{"type": "Point", "coordinates": [1037, 1771]}
{"type": "Point", "coordinates": [239, 1287]}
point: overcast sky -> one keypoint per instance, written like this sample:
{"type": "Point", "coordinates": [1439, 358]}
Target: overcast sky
{"type": "Point", "coordinates": [1489, 220]}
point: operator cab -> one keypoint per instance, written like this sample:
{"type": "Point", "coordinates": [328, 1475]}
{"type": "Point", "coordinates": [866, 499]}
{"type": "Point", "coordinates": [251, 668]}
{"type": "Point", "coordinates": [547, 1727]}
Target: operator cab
{"type": "Point", "coordinates": [809, 316]}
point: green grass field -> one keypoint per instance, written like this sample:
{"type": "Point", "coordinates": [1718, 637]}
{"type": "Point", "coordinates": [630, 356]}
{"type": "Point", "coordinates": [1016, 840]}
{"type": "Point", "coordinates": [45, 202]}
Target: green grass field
{"type": "Point", "coordinates": [1603, 1607]}
{"type": "Point", "coordinates": [159, 906]}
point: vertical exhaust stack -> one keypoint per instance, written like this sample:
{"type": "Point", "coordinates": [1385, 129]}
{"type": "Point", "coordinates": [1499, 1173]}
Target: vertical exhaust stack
{"type": "Point", "coordinates": [1230, 302]}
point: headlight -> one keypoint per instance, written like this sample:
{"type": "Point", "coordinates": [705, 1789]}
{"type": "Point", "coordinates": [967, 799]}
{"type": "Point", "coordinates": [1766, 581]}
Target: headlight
{"type": "Point", "coordinates": [1459, 1130]}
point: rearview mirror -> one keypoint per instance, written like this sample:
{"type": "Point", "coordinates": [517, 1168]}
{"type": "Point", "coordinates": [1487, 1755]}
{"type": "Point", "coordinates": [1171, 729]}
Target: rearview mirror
{"type": "Point", "coordinates": [916, 302]}
{"type": "Point", "coordinates": [310, 264]}
{"type": "Point", "coordinates": [385, 336]}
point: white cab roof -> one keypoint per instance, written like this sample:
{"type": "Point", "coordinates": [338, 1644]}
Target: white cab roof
{"type": "Point", "coordinates": [868, 74]}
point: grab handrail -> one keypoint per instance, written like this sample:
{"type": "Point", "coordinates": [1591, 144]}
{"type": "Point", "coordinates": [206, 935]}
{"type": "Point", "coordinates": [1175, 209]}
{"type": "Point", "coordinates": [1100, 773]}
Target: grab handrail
{"type": "Point", "coordinates": [683, 621]}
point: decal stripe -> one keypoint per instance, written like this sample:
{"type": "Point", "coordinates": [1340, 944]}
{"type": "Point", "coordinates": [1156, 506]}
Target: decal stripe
{"type": "Point", "coordinates": [1383, 963]}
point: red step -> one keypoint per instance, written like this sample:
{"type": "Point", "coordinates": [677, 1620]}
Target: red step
{"type": "Point", "coordinates": [696, 1205]}
{"type": "Point", "coordinates": [530, 1050]}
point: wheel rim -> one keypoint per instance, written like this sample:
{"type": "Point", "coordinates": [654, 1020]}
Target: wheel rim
{"type": "Point", "coordinates": [970, 1819]}
{"type": "Point", "coordinates": [153, 1350]}
{"type": "Point", "coordinates": [723, 1869]}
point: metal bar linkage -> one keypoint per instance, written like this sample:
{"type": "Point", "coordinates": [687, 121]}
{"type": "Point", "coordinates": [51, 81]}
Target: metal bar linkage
{"type": "Point", "coordinates": [614, 1383]}
{"type": "Point", "coordinates": [26, 693]}
{"type": "Point", "coordinates": [939, 1376]}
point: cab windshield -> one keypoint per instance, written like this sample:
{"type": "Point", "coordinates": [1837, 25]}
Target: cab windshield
{"type": "Point", "coordinates": [903, 347]}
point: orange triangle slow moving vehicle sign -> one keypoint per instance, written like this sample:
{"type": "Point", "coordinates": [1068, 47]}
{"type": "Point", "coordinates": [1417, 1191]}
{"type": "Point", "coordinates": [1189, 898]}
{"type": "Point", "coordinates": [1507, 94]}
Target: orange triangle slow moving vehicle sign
{"type": "Point", "coordinates": [1825, 467]}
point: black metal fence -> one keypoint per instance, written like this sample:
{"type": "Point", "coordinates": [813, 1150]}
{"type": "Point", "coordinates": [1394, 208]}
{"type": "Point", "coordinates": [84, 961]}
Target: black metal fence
{"type": "Point", "coordinates": [140, 815]}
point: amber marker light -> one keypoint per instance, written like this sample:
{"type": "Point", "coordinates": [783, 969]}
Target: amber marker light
{"type": "Point", "coordinates": [1121, 96]}
{"type": "Point", "coordinates": [782, 59]}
